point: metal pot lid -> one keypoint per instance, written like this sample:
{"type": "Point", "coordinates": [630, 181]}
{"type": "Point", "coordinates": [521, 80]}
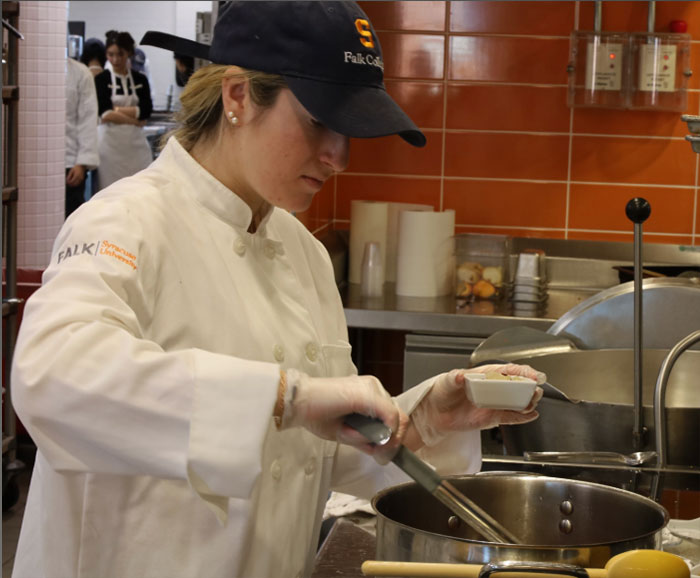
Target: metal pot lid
{"type": "Point", "coordinates": [606, 320]}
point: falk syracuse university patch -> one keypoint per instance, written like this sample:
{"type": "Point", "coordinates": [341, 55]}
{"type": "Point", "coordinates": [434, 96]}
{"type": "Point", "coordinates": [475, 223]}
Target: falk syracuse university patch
{"type": "Point", "coordinates": [98, 249]}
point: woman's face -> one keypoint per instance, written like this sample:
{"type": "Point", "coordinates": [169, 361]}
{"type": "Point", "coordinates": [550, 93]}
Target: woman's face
{"type": "Point", "coordinates": [117, 58]}
{"type": "Point", "coordinates": [286, 154]}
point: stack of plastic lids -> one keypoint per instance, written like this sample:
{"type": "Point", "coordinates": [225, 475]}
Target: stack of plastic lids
{"type": "Point", "coordinates": [530, 284]}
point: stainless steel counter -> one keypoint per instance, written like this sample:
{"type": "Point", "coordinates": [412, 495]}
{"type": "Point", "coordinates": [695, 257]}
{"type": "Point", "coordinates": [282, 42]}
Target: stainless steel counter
{"type": "Point", "coordinates": [447, 316]}
{"type": "Point", "coordinates": [575, 270]}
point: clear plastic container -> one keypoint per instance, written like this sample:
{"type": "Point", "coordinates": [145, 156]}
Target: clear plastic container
{"type": "Point", "coordinates": [482, 266]}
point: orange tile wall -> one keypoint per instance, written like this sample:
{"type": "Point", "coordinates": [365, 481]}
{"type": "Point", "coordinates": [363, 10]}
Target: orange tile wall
{"type": "Point", "coordinates": [487, 83]}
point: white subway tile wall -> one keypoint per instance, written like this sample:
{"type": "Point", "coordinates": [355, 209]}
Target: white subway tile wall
{"type": "Point", "coordinates": [41, 170]}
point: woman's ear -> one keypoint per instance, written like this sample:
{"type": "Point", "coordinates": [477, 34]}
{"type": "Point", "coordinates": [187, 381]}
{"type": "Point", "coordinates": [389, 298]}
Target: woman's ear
{"type": "Point", "coordinates": [234, 92]}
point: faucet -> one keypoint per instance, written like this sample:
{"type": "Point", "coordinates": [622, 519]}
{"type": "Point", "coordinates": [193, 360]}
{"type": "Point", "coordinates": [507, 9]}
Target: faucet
{"type": "Point", "coordinates": [660, 393]}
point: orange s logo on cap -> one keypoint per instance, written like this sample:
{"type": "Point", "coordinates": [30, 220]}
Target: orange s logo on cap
{"type": "Point", "coordinates": [362, 26]}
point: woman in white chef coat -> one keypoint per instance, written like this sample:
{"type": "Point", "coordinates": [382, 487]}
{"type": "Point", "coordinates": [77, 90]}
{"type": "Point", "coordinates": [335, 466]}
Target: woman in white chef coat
{"type": "Point", "coordinates": [124, 104]}
{"type": "Point", "coordinates": [184, 369]}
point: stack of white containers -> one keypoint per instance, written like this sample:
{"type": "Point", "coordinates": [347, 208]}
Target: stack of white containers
{"type": "Point", "coordinates": [530, 284]}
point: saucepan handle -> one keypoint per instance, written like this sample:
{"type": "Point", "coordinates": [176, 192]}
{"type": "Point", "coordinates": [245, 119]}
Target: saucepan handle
{"type": "Point", "coordinates": [493, 568]}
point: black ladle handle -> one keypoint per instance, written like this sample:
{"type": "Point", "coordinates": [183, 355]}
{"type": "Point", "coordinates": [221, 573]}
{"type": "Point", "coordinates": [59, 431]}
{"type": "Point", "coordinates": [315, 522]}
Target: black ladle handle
{"type": "Point", "coordinates": [638, 210]}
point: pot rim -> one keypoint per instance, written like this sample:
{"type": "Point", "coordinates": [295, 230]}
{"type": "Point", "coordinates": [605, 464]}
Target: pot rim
{"type": "Point", "coordinates": [626, 493]}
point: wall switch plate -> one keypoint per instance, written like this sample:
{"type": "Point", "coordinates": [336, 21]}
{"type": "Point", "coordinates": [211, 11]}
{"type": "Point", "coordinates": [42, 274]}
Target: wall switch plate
{"type": "Point", "coordinates": [604, 65]}
{"type": "Point", "coordinates": [657, 68]}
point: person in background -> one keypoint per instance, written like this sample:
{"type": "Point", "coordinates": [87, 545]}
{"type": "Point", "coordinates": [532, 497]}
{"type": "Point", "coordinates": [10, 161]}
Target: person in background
{"type": "Point", "coordinates": [140, 63]}
{"type": "Point", "coordinates": [185, 372]}
{"type": "Point", "coordinates": [93, 55]}
{"type": "Point", "coordinates": [124, 103]}
{"type": "Point", "coordinates": [138, 60]}
{"type": "Point", "coordinates": [81, 132]}
{"type": "Point", "coordinates": [184, 68]}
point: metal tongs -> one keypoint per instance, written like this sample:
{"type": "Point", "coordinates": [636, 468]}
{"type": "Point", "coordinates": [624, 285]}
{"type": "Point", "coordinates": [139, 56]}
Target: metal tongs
{"type": "Point", "coordinates": [466, 510]}
{"type": "Point", "coordinates": [633, 459]}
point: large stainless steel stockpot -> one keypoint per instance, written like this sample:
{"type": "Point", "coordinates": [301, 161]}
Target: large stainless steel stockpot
{"type": "Point", "coordinates": [596, 412]}
{"type": "Point", "coordinates": [556, 520]}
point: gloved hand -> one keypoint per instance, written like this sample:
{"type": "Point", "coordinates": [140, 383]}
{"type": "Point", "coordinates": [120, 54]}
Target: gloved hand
{"type": "Point", "coordinates": [446, 407]}
{"type": "Point", "coordinates": [319, 404]}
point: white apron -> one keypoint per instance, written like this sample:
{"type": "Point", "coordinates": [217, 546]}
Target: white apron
{"type": "Point", "coordinates": [123, 148]}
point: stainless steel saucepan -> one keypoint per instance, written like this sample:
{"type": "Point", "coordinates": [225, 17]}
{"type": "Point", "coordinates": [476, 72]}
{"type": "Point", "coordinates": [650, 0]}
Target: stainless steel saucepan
{"type": "Point", "coordinates": [558, 520]}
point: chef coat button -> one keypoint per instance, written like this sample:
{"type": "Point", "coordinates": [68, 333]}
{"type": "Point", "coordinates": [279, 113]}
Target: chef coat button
{"type": "Point", "coordinates": [239, 247]}
{"type": "Point", "coordinates": [276, 470]}
{"type": "Point", "coordinates": [310, 467]}
{"type": "Point", "coordinates": [311, 352]}
{"type": "Point", "coordinates": [278, 352]}
{"type": "Point", "coordinates": [270, 251]}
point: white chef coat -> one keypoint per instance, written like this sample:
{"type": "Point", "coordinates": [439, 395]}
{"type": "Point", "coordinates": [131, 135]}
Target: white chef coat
{"type": "Point", "coordinates": [81, 116]}
{"type": "Point", "coordinates": [146, 371]}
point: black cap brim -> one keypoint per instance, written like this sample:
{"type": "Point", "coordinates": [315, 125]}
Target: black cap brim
{"type": "Point", "coordinates": [176, 44]}
{"type": "Point", "coordinates": [355, 111]}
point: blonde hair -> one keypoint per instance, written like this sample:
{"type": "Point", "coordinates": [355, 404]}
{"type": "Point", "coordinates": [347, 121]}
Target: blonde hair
{"type": "Point", "coordinates": [202, 109]}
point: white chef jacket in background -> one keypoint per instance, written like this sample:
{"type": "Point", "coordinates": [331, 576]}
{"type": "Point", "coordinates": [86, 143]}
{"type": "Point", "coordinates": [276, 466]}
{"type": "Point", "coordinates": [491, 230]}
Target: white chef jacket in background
{"type": "Point", "coordinates": [81, 117]}
{"type": "Point", "coordinates": [146, 370]}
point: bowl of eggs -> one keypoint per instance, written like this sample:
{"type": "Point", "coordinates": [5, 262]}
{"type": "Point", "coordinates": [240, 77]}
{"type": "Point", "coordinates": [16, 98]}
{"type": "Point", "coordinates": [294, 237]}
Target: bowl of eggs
{"type": "Point", "coordinates": [481, 270]}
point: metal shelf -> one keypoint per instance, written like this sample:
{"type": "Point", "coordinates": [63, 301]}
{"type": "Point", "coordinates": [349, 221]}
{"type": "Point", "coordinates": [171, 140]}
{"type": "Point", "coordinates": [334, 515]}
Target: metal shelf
{"type": "Point", "coordinates": [10, 93]}
{"type": "Point", "coordinates": [9, 194]}
{"type": "Point", "coordinates": [10, 309]}
{"type": "Point", "coordinates": [10, 8]}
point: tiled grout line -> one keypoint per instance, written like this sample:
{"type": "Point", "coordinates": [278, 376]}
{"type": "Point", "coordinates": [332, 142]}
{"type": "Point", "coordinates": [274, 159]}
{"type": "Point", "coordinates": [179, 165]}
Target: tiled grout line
{"type": "Point", "coordinates": [554, 133]}
{"type": "Point", "coordinates": [507, 180]}
{"type": "Point", "coordinates": [569, 162]}
{"type": "Point", "coordinates": [445, 83]}
{"type": "Point", "coordinates": [695, 199]}
{"type": "Point", "coordinates": [624, 232]}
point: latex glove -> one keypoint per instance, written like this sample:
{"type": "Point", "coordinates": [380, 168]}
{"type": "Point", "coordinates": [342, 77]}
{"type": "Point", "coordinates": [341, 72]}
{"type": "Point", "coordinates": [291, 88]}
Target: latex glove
{"type": "Point", "coordinates": [446, 407]}
{"type": "Point", "coordinates": [319, 404]}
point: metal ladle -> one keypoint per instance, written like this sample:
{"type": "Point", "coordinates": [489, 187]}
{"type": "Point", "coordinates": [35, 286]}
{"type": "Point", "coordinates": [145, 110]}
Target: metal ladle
{"type": "Point", "coordinates": [378, 433]}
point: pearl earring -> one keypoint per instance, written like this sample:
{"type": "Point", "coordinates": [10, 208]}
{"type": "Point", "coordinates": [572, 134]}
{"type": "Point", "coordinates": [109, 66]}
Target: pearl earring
{"type": "Point", "coordinates": [232, 117]}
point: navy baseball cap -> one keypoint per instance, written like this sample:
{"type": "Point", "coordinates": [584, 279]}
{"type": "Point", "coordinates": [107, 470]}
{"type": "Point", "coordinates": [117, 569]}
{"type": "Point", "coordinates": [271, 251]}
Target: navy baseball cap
{"type": "Point", "coordinates": [328, 53]}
